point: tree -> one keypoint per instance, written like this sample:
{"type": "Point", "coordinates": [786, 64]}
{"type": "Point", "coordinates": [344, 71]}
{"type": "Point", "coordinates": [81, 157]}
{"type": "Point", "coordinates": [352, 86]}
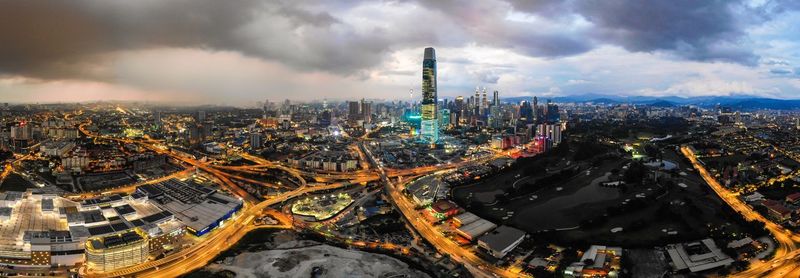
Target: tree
{"type": "Point", "coordinates": [635, 173]}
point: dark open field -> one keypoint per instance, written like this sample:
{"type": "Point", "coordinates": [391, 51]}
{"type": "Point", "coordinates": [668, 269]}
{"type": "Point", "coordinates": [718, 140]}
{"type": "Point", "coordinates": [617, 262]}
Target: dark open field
{"type": "Point", "coordinates": [587, 212]}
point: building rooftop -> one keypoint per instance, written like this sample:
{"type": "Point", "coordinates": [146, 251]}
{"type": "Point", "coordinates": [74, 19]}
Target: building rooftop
{"type": "Point", "coordinates": [466, 218]}
{"type": "Point", "coordinates": [476, 228]}
{"type": "Point", "coordinates": [502, 237]}
{"type": "Point", "coordinates": [697, 256]}
{"type": "Point", "coordinates": [112, 241]}
{"type": "Point", "coordinates": [124, 209]}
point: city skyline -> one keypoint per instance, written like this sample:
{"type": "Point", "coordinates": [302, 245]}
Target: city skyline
{"type": "Point", "coordinates": [280, 138]}
{"type": "Point", "coordinates": [227, 54]}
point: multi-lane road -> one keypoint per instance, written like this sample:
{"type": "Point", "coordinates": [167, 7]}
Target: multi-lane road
{"type": "Point", "coordinates": [786, 254]}
{"type": "Point", "coordinates": [442, 244]}
{"type": "Point", "coordinates": [783, 263]}
{"type": "Point", "coordinates": [219, 240]}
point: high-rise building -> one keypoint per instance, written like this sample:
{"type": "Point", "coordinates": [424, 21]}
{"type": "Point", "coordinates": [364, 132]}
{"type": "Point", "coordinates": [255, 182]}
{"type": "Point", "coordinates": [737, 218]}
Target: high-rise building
{"type": "Point", "coordinates": [496, 98]}
{"type": "Point", "coordinates": [157, 118]}
{"type": "Point", "coordinates": [255, 141]}
{"type": "Point", "coordinates": [430, 124]}
{"type": "Point", "coordinates": [325, 117]}
{"type": "Point", "coordinates": [554, 133]}
{"type": "Point", "coordinates": [366, 111]}
{"type": "Point", "coordinates": [553, 115]}
{"type": "Point", "coordinates": [353, 111]}
{"type": "Point", "coordinates": [476, 101]}
{"type": "Point", "coordinates": [458, 107]}
{"type": "Point", "coordinates": [444, 117]}
{"type": "Point", "coordinates": [484, 101]}
{"type": "Point", "coordinates": [495, 117]}
{"type": "Point", "coordinates": [525, 112]}
{"type": "Point", "coordinates": [201, 116]}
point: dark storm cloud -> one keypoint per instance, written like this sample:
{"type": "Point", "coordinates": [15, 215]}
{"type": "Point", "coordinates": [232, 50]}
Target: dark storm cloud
{"type": "Point", "coordinates": [63, 39]}
{"type": "Point", "coordinates": [712, 30]}
{"type": "Point", "coordinates": [699, 30]}
{"type": "Point", "coordinates": [486, 24]}
{"type": "Point", "coordinates": [77, 39]}
{"type": "Point", "coordinates": [72, 39]}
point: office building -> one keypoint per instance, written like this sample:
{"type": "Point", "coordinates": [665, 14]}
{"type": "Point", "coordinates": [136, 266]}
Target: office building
{"type": "Point", "coordinates": [353, 111]}
{"type": "Point", "coordinates": [366, 111]}
{"type": "Point", "coordinates": [444, 117]}
{"type": "Point", "coordinates": [552, 114]}
{"type": "Point", "coordinates": [430, 113]}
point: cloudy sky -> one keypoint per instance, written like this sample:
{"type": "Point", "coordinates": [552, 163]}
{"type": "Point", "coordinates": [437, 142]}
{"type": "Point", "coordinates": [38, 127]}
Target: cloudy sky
{"type": "Point", "coordinates": [238, 52]}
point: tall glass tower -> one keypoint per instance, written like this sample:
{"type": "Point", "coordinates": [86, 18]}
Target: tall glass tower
{"type": "Point", "coordinates": [429, 130]}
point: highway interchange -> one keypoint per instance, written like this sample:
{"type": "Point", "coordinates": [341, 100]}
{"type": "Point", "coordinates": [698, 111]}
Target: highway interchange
{"type": "Point", "coordinates": [784, 263]}
{"type": "Point", "coordinates": [211, 245]}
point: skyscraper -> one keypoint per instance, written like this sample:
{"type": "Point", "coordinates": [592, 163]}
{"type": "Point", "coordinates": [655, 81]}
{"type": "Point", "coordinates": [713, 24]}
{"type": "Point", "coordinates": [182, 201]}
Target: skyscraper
{"type": "Point", "coordinates": [525, 112]}
{"type": "Point", "coordinates": [430, 113]}
{"type": "Point", "coordinates": [459, 109]}
{"type": "Point", "coordinates": [366, 111]}
{"type": "Point", "coordinates": [353, 111]}
{"type": "Point", "coordinates": [476, 102]}
{"type": "Point", "coordinates": [484, 102]}
{"type": "Point", "coordinates": [552, 113]}
{"type": "Point", "coordinates": [496, 98]}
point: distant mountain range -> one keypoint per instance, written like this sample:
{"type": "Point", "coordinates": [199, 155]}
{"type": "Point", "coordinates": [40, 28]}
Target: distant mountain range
{"type": "Point", "coordinates": [735, 102]}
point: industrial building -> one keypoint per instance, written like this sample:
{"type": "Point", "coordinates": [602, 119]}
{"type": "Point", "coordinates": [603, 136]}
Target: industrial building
{"type": "Point", "coordinates": [500, 241]}
{"type": "Point", "coordinates": [464, 219]}
{"type": "Point", "coordinates": [476, 229]}
{"type": "Point", "coordinates": [200, 208]}
{"type": "Point", "coordinates": [697, 256]}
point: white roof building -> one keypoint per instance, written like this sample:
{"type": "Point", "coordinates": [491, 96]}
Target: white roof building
{"type": "Point", "coordinates": [697, 256]}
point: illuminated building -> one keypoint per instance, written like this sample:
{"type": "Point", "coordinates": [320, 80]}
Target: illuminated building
{"type": "Point", "coordinates": [199, 207]}
{"type": "Point", "coordinates": [161, 241]}
{"type": "Point", "coordinates": [598, 261]}
{"type": "Point", "coordinates": [429, 129]}
{"type": "Point", "coordinates": [117, 251]}
{"type": "Point", "coordinates": [442, 210]}
{"type": "Point", "coordinates": [459, 109]}
{"type": "Point", "coordinates": [444, 117]}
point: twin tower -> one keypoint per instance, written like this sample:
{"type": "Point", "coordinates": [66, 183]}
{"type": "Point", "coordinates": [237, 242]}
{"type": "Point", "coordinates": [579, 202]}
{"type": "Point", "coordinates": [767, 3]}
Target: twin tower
{"type": "Point", "coordinates": [429, 129]}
